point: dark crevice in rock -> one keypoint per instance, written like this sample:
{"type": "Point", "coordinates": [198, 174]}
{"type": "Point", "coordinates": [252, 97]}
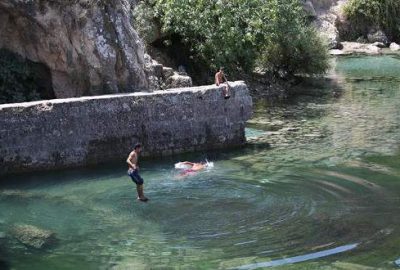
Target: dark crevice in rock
{"type": "Point", "coordinates": [171, 51]}
{"type": "Point", "coordinates": [22, 79]}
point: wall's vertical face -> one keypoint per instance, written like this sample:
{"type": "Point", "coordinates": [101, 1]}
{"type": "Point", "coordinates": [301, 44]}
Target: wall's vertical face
{"type": "Point", "coordinates": [88, 130]}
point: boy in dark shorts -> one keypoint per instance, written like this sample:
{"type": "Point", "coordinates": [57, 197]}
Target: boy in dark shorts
{"type": "Point", "coordinates": [133, 171]}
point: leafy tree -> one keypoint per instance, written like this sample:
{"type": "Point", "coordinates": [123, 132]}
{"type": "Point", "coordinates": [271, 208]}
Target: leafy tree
{"type": "Point", "coordinates": [243, 34]}
{"type": "Point", "coordinates": [381, 13]}
{"type": "Point", "coordinates": [291, 46]}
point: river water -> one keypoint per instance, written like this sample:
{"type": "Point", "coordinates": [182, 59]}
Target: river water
{"type": "Point", "coordinates": [317, 187]}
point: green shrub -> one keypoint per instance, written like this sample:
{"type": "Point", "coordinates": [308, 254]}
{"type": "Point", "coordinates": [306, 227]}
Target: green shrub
{"type": "Point", "coordinates": [384, 14]}
{"type": "Point", "coordinates": [144, 21]}
{"type": "Point", "coordinates": [240, 34]}
{"type": "Point", "coordinates": [17, 80]}
{"type": "Point", "coordinates": [292, 46]}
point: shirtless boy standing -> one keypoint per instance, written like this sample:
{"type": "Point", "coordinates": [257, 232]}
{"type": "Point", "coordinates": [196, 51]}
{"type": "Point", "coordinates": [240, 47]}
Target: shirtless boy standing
{"type": "Point", "coordinates": [133, 171]}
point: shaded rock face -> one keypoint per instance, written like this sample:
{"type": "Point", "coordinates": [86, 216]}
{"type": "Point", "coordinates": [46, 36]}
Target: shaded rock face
{"type": "Point", "coordinates": [33, 237]}
{"type": "Point", "coordinates": [161, 77]}
{"type": "Point", "coordinates": [329, 13]}
{"type": "Point", "coordinates": [378, 36]}
{"type": "Point", "coordinates": [309, 9]}
{"type": "Point", "coordinates": [89, 46]}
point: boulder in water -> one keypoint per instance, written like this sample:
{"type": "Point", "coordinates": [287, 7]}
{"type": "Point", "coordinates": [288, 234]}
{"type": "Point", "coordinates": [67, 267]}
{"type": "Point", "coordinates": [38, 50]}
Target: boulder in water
{"type": "Point", "coordinates": [33, 236]}
{"type": "Point", "coordinates": [394, 46]}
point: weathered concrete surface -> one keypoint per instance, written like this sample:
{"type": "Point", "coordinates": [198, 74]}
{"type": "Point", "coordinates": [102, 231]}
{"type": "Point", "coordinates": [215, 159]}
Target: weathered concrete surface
{"type": "Point", "coordinates": [72, 132]}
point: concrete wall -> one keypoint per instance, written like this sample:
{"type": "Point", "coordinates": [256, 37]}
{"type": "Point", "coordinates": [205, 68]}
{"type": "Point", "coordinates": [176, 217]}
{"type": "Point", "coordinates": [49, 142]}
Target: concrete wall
{"type": "Point", "coordinates": [73, 132]}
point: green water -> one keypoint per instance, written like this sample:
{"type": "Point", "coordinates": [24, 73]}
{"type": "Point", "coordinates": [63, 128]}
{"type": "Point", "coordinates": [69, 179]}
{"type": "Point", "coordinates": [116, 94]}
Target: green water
{"type": "Point", "coordinates": [324, 195]}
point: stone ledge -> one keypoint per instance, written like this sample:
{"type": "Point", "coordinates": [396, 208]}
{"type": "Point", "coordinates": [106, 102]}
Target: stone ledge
{"type": "Point", "coordinates": [61, 133]}
{"type": "Point", "coordinates": [193, 89]}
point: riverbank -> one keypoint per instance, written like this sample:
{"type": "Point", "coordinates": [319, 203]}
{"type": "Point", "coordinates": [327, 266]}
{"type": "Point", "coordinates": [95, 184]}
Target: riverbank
{"type": "Point", "coordinates": [377, 48]}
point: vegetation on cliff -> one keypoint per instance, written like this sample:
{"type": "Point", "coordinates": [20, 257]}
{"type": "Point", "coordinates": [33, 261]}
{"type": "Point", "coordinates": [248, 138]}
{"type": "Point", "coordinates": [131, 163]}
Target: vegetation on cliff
{"type": "Point", "coordinates": [383, 14]}
{"type": "Point", "coordinates": [241, 35]}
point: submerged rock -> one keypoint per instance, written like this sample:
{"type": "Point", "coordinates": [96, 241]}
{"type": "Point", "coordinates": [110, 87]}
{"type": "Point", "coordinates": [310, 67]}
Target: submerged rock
{"type": "Point", "coordinates": [34, 237]}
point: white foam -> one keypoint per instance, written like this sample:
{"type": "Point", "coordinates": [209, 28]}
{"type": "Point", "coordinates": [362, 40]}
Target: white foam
{"type": "Point", "coordinates": [183, 166]}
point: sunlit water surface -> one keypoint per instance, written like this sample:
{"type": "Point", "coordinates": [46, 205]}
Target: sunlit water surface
{"type": "Point", "coordinates": [324, 195]}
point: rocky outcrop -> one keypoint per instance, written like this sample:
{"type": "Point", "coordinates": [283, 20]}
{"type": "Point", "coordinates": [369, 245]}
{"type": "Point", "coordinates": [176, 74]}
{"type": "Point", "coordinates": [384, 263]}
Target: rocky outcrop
{"type": "Point", "coordinates": [165, 77]}
{"type": "Point", "coordinates": [89, 46]}
{"type": "Point", "coordinates": [74, 132]}
{"type": "Point", "coordinates": [328, 15]}
{"type": "Point", "coordinates": [178, 80]}
{"type": "Point", "coordinates": [33, 237]}
{"type": "Point", "coordinates": [357, 48]}
{"type": "Point", "coordinates": [377, 36]}
{"type": "Point", "coordinates": [394, 46]}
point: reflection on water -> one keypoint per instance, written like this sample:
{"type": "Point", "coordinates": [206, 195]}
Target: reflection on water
{"type": "Point", "coordinates": [323, 195]}
{"type": "Point", "coordinates": [302, 258]}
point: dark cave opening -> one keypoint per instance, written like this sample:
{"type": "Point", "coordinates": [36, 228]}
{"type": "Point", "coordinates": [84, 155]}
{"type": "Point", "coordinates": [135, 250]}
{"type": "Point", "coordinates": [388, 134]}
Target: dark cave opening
{"type": "Point", "coordinates": [23, 80]}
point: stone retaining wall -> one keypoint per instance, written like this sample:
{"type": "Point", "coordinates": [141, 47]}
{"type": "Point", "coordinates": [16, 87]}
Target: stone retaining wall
{"type": "Point", "coordinates": [82, 131]}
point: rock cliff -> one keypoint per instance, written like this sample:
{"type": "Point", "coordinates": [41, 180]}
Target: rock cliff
{"type": "Point", "coordinates": [89, 46]}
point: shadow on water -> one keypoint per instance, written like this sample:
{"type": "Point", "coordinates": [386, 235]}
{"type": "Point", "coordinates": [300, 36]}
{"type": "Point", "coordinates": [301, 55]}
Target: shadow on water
{"type": "Point", "coordinates": [4, 265]}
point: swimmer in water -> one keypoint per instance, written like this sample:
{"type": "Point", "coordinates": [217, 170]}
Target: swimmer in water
{"type": "Point", "coordinates": [191, 167]}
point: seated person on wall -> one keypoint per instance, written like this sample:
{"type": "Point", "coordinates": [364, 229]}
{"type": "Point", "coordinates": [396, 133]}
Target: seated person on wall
{"type": "Point", "coordinates": [220, 79]}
